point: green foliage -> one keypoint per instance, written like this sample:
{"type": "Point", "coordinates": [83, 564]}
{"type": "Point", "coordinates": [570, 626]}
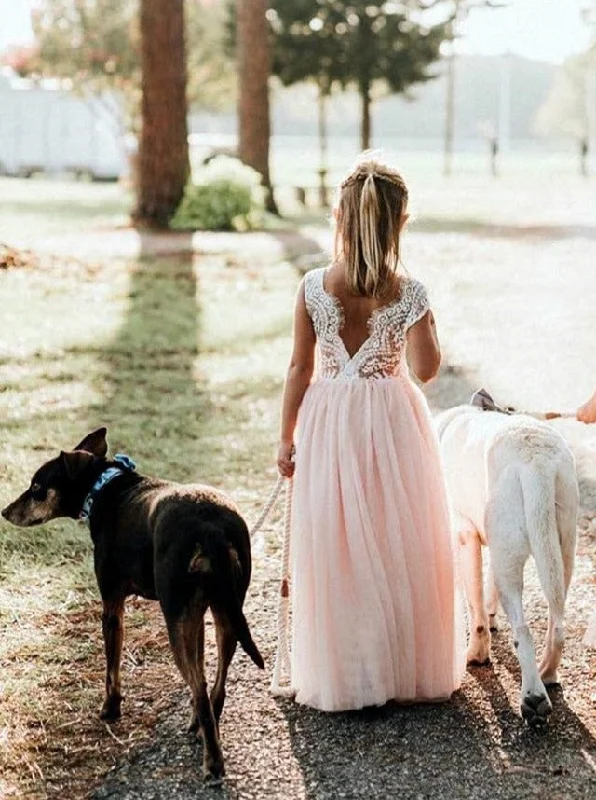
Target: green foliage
{"type": "Point", "coordinates": [306, 43]}
{"type": "Point", "coordinates": [227, 196]}
{"type": "Point", "coordinates": [94, 45]}
{"type": "Point", "coordinates": [211, 77]}
{"type": "Point", "coordinates": [355, 42]}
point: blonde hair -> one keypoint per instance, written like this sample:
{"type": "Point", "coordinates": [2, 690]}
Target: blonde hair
{"type": "Point", "coordinates": [372, 200]}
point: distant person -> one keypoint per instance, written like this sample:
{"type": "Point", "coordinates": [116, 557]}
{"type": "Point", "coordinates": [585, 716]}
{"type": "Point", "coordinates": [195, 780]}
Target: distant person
{"type": "Point", "coordinates": [587, 412]}
{"type": "Point", "coordinates": [584, 150]}
{"type": "Point", "coordinates": [373, 593]}
{"type": "Point", "coordinates": [494, 153]}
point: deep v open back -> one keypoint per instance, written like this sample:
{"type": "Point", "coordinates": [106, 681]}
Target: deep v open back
{"type": "Point", "coordinates": [380, 353]}
{"type": "Point", "coordinates": [373, 598]}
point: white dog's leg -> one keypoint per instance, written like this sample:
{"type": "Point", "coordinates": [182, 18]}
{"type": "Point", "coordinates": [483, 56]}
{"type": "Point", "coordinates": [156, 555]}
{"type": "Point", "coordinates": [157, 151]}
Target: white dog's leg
{"type": "Point", "coordinates": [509, 568]}
{"type": "Point", "coordinates": [566, 517]}
{"type": "Point", "coordinates": [492, 603]}
{"type": "Point", "coordinates": [470, 553]}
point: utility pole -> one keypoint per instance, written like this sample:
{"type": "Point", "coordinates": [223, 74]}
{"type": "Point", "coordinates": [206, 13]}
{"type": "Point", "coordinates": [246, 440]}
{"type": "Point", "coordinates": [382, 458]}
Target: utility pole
{"type": "Point", "coordinates": [504, 112]}
{"type": "Point", "coordinates": [460, 11]}
{"type": "Point", "coordinates": [450, 113]}
{"type": "Point", "coordinates": [588, 15]}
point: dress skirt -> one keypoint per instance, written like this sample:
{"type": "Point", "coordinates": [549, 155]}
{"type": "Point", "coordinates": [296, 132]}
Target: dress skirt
{"type": "Point", "coordinates": [376, 614]}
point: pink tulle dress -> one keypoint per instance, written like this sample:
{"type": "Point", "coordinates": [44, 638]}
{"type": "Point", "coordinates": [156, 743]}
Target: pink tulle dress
{"type": "Point", "coordinates": [375, 612]}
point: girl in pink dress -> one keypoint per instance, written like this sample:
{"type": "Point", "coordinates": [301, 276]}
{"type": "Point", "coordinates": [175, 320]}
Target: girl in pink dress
{"type": "Point", "coordinates": [373, 593]}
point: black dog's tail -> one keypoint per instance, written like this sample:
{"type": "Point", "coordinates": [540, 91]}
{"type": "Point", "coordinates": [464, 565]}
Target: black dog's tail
{"type": "Point", "coordinates": [242, 631]}
{"type": "Point", "coordinates": [219, 564]}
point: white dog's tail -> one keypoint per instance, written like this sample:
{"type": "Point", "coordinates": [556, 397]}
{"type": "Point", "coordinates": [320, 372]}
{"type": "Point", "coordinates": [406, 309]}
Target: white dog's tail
{"type": "Point", "coordinates": [539, 491]}
{"type": "Point", "coordinates": [550, 502]}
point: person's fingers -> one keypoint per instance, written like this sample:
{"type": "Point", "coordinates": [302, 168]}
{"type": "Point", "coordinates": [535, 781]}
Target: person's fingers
{"type": "Point", "coordinates": [285, 467]}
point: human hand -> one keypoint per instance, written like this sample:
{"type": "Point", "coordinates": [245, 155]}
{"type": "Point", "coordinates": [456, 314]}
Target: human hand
{"type": "Point", "coordinates": [285, 454]}
{"type": "Point", "coordinates": [587, 412]}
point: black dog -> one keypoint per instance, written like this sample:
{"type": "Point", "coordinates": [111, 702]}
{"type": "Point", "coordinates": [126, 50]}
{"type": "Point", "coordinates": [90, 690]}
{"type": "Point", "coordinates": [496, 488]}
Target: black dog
{"type": "Point", "coordinates": [184, 545]}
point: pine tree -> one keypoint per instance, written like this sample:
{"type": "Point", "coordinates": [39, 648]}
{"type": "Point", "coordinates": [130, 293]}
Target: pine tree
{"type": "Point", "coordinates": [459, 11]}
{"type": "Point", "coordinates": [254, 64]}
{"type": "Point", "coordinates": [365, 43]}
{"type": "Point", "coordinates": [163, 153]}
{"type": "Point", "coordinates": [307, 48]}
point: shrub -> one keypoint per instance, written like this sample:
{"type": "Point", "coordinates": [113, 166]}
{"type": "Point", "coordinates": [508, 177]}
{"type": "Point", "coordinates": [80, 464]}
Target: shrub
{"type": "Point", "coordinates": [227, 196]}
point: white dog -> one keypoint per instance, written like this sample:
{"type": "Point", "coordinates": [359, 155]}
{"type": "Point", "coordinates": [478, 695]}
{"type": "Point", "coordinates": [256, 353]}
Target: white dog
{"type": "Point", "coordinates": [513, 487]}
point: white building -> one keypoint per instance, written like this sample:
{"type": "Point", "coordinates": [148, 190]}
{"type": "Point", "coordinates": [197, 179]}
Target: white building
{"type": "Point", "coordinates": [45, 128]}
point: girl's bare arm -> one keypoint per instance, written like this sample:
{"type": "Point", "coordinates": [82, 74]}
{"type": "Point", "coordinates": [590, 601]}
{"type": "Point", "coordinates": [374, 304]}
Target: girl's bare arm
{"type": "Point", "coordinates": [424, 352]}
{"type": "Point", "coordinates": [297, 381]}
{"type": "Point", "coordinates": [587, 412]}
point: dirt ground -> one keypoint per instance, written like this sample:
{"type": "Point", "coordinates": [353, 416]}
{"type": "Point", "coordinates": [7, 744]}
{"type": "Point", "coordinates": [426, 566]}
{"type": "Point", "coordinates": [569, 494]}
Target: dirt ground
{"type": "Point", "coordinates": [515, 312]}
{"type": "Point", "coordinates": [516, 315]}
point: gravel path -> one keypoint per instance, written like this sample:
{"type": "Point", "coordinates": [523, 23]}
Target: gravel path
{"type": "Point", "coordinates": [538, 327]}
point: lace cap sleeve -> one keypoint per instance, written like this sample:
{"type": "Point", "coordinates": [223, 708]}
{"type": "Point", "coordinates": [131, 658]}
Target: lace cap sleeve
{"type": "Point", "coordinates": [418, 305]}
{"type": "Point", "coordinates": [312, 281]}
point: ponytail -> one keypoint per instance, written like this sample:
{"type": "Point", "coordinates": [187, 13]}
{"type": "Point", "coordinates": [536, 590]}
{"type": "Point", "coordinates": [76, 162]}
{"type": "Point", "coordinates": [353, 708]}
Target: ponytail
{"type": "Point", "coordinates": [371, 248]}
{"type": "Point", "coordinates": [372, 201]}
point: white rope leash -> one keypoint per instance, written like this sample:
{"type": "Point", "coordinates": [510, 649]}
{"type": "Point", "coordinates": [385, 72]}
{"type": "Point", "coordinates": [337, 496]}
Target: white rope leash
{"type": "Point", "coordinates": [281, 669]}
{"type": "Point", "coordinates": [280, 681]}
{"type": "Point", "coordinates": [549, 415]}
{"type": "Point", "coordinates": [482, 399]}
{"type": "Point", "coordinates": [271, 501]}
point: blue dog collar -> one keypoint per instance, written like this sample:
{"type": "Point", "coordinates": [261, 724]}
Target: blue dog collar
{"type": "Point", "coordinates": [125, 463]}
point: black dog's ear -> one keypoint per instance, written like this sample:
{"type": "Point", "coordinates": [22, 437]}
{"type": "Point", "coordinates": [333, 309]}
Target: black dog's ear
{"type": "Point", "coordinates": [95, 443]}
{"type": "Point", "coordinates": [75, 462]}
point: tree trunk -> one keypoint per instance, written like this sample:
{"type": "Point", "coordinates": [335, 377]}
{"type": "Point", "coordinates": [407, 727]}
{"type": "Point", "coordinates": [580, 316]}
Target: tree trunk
{"type": "Point", "coordinates": [163, 154]}
{"type": "Point", "coordinates": [254, 64]}
{"type": "Point", "coordinates": [365, 124]}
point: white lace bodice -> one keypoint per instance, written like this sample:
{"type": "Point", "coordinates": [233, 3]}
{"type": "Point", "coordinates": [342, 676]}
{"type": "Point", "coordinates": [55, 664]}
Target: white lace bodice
{"type": "Point", "coordinates": [380, 355]}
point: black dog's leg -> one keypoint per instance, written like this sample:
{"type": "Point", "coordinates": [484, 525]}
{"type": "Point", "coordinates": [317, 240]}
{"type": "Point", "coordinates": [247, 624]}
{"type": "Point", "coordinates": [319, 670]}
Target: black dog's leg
{"type": "Point", "coordinates": [213, 764]}
{"type": "Point", "coordinates": [184, 634]}
{"type": "Point", "coordinates": [226, 647]}
{"type": "Point", "coordinates": [194, 720]}
{"type": "Point", "coordinates": [113, 630]}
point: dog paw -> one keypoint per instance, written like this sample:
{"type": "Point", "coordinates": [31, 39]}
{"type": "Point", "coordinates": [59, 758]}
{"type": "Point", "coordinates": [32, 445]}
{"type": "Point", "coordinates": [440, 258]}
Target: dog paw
{"type": "Point", "coordinates": [213, 769]}
{"type": "Point", "coordinates": [110, 711]}
{"type": "Point", "coordinates": [476, 662]}
{"type": "Point", "coordinates": [550, 677]}
{"type": "Point", "coordinates": [535, 709]}
{"type": "Point", "coordinates": [478, 656]}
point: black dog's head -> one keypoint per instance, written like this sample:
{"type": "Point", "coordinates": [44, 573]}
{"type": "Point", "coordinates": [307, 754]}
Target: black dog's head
{"type": "Point", "coordinates": [58, 487]}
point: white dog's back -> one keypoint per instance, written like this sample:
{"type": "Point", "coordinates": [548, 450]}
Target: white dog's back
{"type": "Point", "coordinates": [513, 487]}
{"type": "Point", "coordinates": [487, 452]}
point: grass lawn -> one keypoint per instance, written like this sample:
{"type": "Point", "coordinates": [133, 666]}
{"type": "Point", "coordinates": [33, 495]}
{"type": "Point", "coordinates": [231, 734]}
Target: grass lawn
{"type": "Point", "coordinates": [182, 359]}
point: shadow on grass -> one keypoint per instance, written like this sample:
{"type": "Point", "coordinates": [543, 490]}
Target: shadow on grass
{"type": "Point", "coordinates": [156, 403]}
{"type": "Point", "coordinates": [482, 229]}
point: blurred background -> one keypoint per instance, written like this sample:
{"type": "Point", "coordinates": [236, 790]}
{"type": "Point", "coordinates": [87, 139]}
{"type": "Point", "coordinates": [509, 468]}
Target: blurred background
{"type": "Point", "coordinates": [513, 90]}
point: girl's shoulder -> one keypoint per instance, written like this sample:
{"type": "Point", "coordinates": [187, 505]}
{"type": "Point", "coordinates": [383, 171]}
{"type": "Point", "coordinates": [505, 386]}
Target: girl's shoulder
{"type": "Point", "coordinates": [414, 298]}
{"type": "Point", "coordinates": [313, 282]}
{"type": "Point", "coordinates": [411, 285]}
